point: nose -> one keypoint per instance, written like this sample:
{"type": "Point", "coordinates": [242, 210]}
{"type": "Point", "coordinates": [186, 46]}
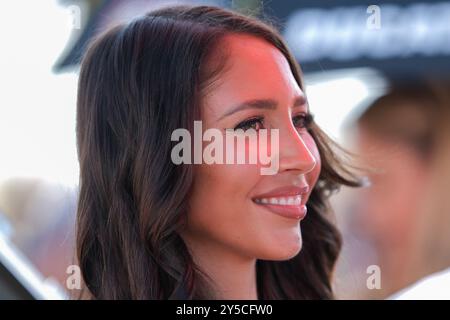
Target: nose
{"type": "Point", "coordinates": [294, 153]}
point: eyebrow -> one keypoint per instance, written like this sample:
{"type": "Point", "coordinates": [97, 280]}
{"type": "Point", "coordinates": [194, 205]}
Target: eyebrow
{"type": "Point", "coordinates": [267, 104]}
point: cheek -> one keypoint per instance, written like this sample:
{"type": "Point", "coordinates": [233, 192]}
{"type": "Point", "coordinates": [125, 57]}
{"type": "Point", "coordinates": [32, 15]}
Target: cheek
{"type": "Point", "coordinates": [219, 204]}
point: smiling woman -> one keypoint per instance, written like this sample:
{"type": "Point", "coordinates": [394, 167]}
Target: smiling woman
{"type": "Point", "coordinates": [149, 228]}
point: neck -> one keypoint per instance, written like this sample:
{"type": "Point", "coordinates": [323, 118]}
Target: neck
{"type": "Point", "coordinates": [233, 275]}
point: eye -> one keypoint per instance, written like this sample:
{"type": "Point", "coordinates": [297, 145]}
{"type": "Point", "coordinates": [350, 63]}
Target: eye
{"type": "Point", "coordinates": [303, 120]}
{"type": "Point", "coordinates": [254, 123]}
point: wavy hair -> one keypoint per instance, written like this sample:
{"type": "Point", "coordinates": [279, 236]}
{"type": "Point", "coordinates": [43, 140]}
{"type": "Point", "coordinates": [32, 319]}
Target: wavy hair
{"type": "Point", "coordinates": [138, 82]}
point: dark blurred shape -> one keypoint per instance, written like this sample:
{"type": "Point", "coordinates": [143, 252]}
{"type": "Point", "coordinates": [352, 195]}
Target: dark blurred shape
{"type": "Point", "coordinates": [10, 288]}
{"type": "Point", "coordinates": [89, 15]}
{"type": "Point", "coordinates": [98, 15]}
{"type": "Point", "coordinates": [413, 38]}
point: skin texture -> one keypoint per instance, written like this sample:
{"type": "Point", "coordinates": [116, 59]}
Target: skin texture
{"type": "Point", "coordinates": [225, 230]}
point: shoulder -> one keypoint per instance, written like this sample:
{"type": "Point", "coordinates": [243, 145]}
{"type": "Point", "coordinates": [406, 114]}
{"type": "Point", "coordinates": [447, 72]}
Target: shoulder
{"type": "Point", "coordinates": [433, 287]}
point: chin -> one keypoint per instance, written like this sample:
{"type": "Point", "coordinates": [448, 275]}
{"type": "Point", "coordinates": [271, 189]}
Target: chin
{"type": "Point", "coordinates": [282, 251]}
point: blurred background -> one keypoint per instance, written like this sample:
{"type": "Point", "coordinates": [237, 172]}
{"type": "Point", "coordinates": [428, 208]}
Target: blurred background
{"type": "Point", "coordinates": [377, 79]}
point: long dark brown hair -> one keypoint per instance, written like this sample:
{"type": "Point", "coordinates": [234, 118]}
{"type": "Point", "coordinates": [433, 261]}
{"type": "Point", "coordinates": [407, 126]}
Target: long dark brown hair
{"type": "Point", "coordinates": [139, 82]}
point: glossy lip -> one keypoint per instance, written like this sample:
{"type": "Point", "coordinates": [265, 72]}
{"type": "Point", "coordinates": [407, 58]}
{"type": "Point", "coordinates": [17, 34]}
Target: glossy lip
{"type": "Point", "coordinates": [288, 191]}
{"type": "Point", "coordinates": [297, 212]}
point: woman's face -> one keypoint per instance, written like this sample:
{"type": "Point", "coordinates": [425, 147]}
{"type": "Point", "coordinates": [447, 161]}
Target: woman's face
{"type": "Point", "coordinates": [233, 207]}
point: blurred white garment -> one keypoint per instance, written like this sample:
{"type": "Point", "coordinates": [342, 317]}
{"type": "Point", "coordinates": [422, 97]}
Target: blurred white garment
{"type": "Point", "coordinates": [433, 287]}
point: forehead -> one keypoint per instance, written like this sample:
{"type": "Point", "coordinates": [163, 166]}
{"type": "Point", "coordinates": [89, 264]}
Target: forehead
{"type": "Point", "coordinates": [254, 69]}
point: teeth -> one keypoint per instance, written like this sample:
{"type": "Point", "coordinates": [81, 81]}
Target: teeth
{"type": "Point", "coordinates": [281, 201]}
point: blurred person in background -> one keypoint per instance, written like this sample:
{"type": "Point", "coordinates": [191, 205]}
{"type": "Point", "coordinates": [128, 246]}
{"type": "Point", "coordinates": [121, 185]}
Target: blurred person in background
{"type": "Point", "coordinates": [41, 215]}
{"type": "Point", "coordinates": [404, 136]}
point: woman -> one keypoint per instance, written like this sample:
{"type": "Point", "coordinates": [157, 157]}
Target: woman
{"type": "Point", "coordinates": [152, 229]}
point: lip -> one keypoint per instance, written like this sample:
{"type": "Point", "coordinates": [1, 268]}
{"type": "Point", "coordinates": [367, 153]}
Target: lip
{"type": "Point", "coordinates": [291, 212]}
{"type": "Point", "coordinates": [288, 191]}
{"type": "Point", "coordinates": [297, 212]}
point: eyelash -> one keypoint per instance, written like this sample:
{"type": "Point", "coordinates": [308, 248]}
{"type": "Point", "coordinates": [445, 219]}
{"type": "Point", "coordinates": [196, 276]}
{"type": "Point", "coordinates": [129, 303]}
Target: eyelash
{"type": "Point", "coordinates": [307, 118]}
